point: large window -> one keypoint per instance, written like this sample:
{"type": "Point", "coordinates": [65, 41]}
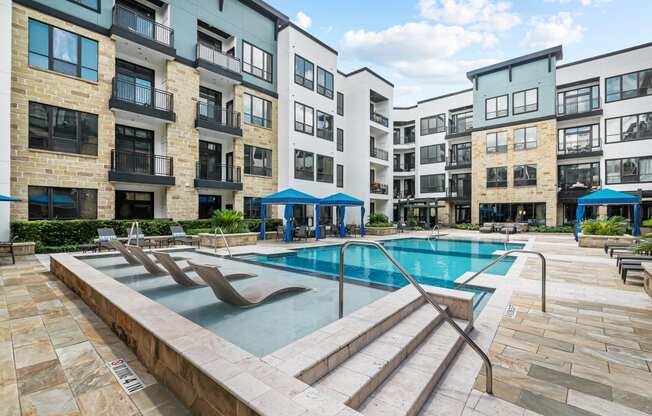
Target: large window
{"type": "Point", "coordinates": [634, 127]}
{"type": "Point", "coordinates": [525, 138]}
{"type": "Point", "coordinates": [257, 161]}
{"type": "Point", "coordinates": [304, 72]}
{"type": "Point", "coordinates": [629, 170]}
{"type": "Point", "coordinates": [435, 153]}
{"type": "Point", "coordinates": [256, 61]}
{"type": "Point", "coordinates": [324, 169]}
{"type": "Point", "coordinates": [304, 118]}
{"type": "Point", "coordinates": [497, 177]}
{"type": "Point", "coordinates": [325, 83]}
{"type": "Point", "coordinates": [340, 104]}
{"type": "Point", "coordinates": [578, 139]}
{"type": "Point", "coordinates": [460, 154]}
{"type": "Point", "coordinates": [252, 208]}
{"type": "Point", "coordinates": [324, 126]}
{"type": "Point", "coordinates": [525, 101]}
{"type": "Point", "coordinates": [62, 130]}
{"type": "Point", "coordinates": [48, 203]}
{"type": "Point", "coordinates": [497, 142]}
{"type": "Point", "coordinates": [340, 176]}
{"type": "Point", "coordinates": [496, 107]}
{"type": "Point", "coordinates": [581, 176]}
{"type": "Point", "coordinates": [257, 111]}
{"type": "Point", "coordinates": [532, 213]}
{"type": "Point", "coordinates": [433, 124]}
{"type": "Point", "coordinates": [209, 204]}
{"type": "Point", "coordinates": [461, 122]}
{"type": "Point", "coordinates": [433, 183]}
{"type": "Point", "coordinates": [340, 140]}
{"type": "Point", "coordinates": [632, 85]}
{"type": "Point", "coordinates": [304, 165]}
{"type": "Point", "coordinates": [62, 51]}
{"type": "Point", "coordinates": [580, 100]}
{"type": "Point", "coordinates": [525, 175]}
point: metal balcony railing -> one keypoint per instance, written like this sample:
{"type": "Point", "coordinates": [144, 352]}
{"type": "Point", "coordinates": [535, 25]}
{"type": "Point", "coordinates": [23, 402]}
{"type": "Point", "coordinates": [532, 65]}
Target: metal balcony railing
{"type": "Point", "coordinates": [221, 173]}
{"type": "Point", "coordinates": [378, 153]}
{"type": "Point", "coordinates": [579, 185]}
{"type": "Point", "coordinates": [142, 95]}
{"type": "Point", "coordinates": [403, 168]}
{"type": "Point", "coordinates": [379, 188]}
{"type": "Point", "coordinates": [141, 163]}
{"type": "Point", "coordinates": [220, 116]}
{"type": "Point", "coordinates": [380, 119]}
{"type": "Point", "coordinates": [579, 149]}
{"type": "Point", "coordinates": [460, 126]}
{"type": "Point", "coordinates": [217, 57]}
{"type": "Point", "coordinates": [458, 162]}
{"type": "Point", "coordinates": [142, 25]}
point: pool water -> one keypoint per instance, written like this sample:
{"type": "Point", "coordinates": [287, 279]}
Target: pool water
{"type": "Point", "coordinates": [432, 262]}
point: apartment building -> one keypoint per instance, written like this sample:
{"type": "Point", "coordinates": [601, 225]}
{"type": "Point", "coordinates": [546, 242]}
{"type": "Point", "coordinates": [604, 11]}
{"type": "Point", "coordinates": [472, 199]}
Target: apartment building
{"type": "Point", "coordinates": [334, 127]}
{"type": "Point", "coordinates": [527, 139]}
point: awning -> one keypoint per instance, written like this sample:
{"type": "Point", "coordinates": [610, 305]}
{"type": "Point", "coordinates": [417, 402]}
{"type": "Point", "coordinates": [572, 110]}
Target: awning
{"type": "Point", "coordinates": [289, 196]}
{"type": "Point", "coordinates": [608, 197]}
{"type": "Point", "coordinates": [341, 199]}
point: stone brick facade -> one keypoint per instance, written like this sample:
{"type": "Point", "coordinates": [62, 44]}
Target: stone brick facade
{"type": "Point", "coordinates": [45, 168]}
{"type": "Point", "coordinates": [544, 156]}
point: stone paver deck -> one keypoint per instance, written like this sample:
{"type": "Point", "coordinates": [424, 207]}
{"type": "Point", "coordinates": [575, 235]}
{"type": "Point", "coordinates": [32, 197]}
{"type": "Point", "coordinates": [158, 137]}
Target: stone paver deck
{"type": "Point", "coordinates": [54, 350]}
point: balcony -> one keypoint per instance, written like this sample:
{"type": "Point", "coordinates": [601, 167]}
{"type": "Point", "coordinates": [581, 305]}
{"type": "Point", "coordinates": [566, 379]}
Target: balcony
{"type": "Point", "coordinates": [216, 61]}
{"type": "Point", "coordinates": [580, 150]}
{"type": "Point", "coordinates": [378, 153]}
{"type": "Point", "coordinates": [454, 194]}
{"type": "Point", "coordinates": [404, 195]}
{"type": "Point", "coordinates": [379, 188]}
{"type": "Point", "coordinates": [588, 107]}
{"type": "Point", "coordinates": [218, 119]}
{"type": "Point", "coordinates": [380, 119]}
{"type": "Point", "coordinates": [404, 170]}
{"type": "Point", "coordinates": [458, 163]}
{"type": "Point", "coordinates": [141, 99]}
{"type": "Point", "coordinates": [577, 189]}
{"type": "Point", "coordinates": [216, 176]}
{"type": "Point", "coordinates": [407, 140]}
{"type": "Point", "coordinates": [134, 167]}
{"type": "Point", "coordinates": [136, 27]}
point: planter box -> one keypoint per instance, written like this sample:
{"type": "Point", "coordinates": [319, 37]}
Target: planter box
{"type": "Point", "coordinates": [646, 230]}
{"type": "Point", "coordinates": [20, 249]}
{"type": "Point", "coordinates": [599, 241]}
{"type": "Point", "coordinates": [647, 277]}
{"type": "Point", "coordinates": [381, 230]}
{"type": "Point", "coordinates": [234, 240]}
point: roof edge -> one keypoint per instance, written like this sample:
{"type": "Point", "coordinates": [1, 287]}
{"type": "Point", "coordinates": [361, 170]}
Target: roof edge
{"type": "Point", "coordinates": [557, 51]}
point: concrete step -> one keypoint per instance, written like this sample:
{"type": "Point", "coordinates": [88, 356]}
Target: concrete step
{"type": "Point", "coordinates": [360, 375]}
{"type": "Point", "coordinates": [406, 390]}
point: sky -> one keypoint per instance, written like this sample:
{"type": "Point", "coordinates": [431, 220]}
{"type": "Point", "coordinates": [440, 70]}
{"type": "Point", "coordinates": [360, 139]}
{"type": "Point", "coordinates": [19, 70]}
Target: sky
{"type": "Point", "coordinates": [425, 47]}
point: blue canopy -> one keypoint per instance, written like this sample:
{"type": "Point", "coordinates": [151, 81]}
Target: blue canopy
{"type": "Point", "coordinates": [9, 199]}
{"type": "Point", "coordinates": [288, 197]}
{"type": "Point", "coordinates": [608, 197]}
{"type": "Point", "coordinates": [342, 200]}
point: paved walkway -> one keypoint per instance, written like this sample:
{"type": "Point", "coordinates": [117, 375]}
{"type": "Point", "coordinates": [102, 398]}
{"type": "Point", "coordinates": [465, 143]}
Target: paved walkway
{"type": "Point", "coordinates": [54, 350]}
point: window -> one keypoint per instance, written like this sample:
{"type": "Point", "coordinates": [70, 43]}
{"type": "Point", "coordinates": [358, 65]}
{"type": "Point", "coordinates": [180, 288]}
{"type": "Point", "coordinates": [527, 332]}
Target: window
{"type": "Point", "coordinates": [340, 104]}
{"type": "Point", "coordinates": [462, 122]}
{"type": "Point", "coordinates": [304, 118]}
{"type": "Point", "coordinates": [497, 177]}
{"type": "Point", "coordinates": [630, 170]}
{"type": "Point", "coordinates": [252, 208]}
{"type": "Point", "coordinates": [48, 203]}
{"type": "Point", "coordinates": [134, 205]}
{"type": "Point", "coordinates": [304, 165]}
{"type": "Point", "coordinates": [578, 139]}
{"type": "Point", "coordinates": [324, 126]}
{"type": "Point", "coordinates": [433, 183]}
{"type": "Point", "coordinates": [497, 142]}
{"type": "Point", "coordinates": [634, 127]}
{"type": "Point", "coordinates": [435, 153]}
{"type": "Point", "coordinates": [62, 130]}
{"type": "Point", "coordinates": [256, 61]}
{"type": "Point", "coordinates": [62, 51]}
{"type": "Point", "coordinates": [324, 83]}
{"type": "Point", "coordinates": [209, 204]}
{"type": "Point", "coordinates": [304, 72]}
{"type": "Point", "coordinates": [91, 4]}
{"type": "Point", "coordinates": [460, 154]}
{"type": "Point", "coordinates": [531, 213]}
{"type": "Point", "coordinates": [632, 85]}
{"type": "Point", "coordinates": [525, 101]}
{"type": "Point", "coordinates": [525, 175]}
{"type": "Point", "coordinates": [433, 124]}
{"type": "Point", "coordinates": [257, 111]}
{"type": "Point", "coordinates": [587, 175]}
{"type": "Point", "coordinates": [580, 100]}
{"type": "Point", "coordinates": [496, 107]}
{"type": "Point", "coordinates": [324, 169]}
{"type": "Point", "coordinates": [257, 161]}
{"type": "Point", "coordinates": [340, 176]}
{"type": "Point", "coordinates": [525, 138]}
{"type": "Point", "coordinates": [340, 140]}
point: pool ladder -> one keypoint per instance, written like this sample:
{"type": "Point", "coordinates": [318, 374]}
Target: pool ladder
{"type": "Point", "coordinates": [226, 243]}
{"type": "Point", "coordinates": [134, 230]}
{"type": "Point", "coordinates": [435, 228]}
{"type": "Point", "coordinates": [424, 294]}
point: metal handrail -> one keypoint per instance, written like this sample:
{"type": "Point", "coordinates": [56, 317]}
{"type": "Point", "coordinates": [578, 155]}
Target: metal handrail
{"type": "Point", "coordinates": [424, 294]}
{"type": "Point", "coordinates": [507, 253]}
{"type": "Point", "coordinates": [131, 232]}
{"type": "Point", "coordinates": [226, 243]}
{"type": "Point", "coordinates": [435, 228]}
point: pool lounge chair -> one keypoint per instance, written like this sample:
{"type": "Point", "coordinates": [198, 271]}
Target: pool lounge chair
{"type": "Point", "coordinates": [149, 264]}
{"type": "Point", "coordinates": [248, 297]}
{"type": "Point", "coordinates": [104, 236]}
{"type": "Point", "coordinates": [178, 274]}
{"type": "Point", "coordinates": [609, 246]}
{"type": "Point", "coordinates": [628, 256]}
{"type": "Point", "coordinates": [180, 236]}
{"type": "Point", "coordinates": [118, 246]}
{"type": "Point", "coordinates": [626, 268]}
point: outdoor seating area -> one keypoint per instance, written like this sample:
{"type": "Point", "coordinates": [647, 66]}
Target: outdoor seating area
{"type": "Point", "coordinates": [504, 227]}
{"type": "Point", "coordinates": [177, 236]}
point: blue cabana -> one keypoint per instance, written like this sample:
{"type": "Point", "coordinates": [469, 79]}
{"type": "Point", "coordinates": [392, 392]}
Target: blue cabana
{"type": "Point", "coordinates": [288, 197]}
{"type": "Point", "coordinates": [608, 197]}
{"type": "Point", "coordinates": [341, 201]}
{"type": "Point", "coordinates": [4, 198]}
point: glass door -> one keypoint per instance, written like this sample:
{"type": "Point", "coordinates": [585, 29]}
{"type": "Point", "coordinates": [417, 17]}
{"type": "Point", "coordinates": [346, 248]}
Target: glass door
{"type": "Point", "coordinates": [135, 83]}
{"type": "Point", "coordinates": [141, 20]}
{"type": "Point", "coordinates": [211, 104]}
{"type": "Point", "coordinates": [210, 160]}
{"type": "Point", "coordinates": [134, 150]}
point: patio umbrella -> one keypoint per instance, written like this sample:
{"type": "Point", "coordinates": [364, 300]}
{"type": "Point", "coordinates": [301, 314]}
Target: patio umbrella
{"type": "Point", "coordinates": [4, 198]}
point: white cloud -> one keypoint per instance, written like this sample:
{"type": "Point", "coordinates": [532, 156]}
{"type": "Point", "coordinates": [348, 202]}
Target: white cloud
{"type": "Point", "coordinates": [303, 20]}
{"type": "Point", "coordinates": [486, 15]}
{"type": "Point", "coordinates": [556, 30]}
{"type": "Point", "coordinates": [584, 3]}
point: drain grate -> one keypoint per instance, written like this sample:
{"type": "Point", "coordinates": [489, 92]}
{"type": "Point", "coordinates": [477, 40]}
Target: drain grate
{"type": "Point", "coordinates": [127, 378]}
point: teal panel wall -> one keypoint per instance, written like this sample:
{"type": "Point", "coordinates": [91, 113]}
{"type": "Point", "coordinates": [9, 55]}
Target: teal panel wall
{"type": "Point", "coordinates": [102, 19]}
{"type": "Point", "coordinates": [526, 76]}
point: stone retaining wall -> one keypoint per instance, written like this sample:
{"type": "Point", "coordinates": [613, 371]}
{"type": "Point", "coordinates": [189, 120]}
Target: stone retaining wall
{"type": "Point", "coordinates": [599, 241]}
{"type": "Point", "coordinates": [234, 240]}
{"type": "Point", "coordinates": [381, 230]}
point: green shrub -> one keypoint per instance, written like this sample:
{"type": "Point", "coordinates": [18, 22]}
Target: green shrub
{"type": "Point", "coordinates": [551, 229]}
{"type": "Point", "coordinates": [645, 246]}
{"type": "Point", "coordinates": [378, 220]}
{"type": "Point", "coordinates": [647, 223]}
{"type": "Point", "coordinates": [610, 226]}
{"type": "Point", "coordinates": [411, 219]}
{"type": "Point", "coordinates": [229, 221]}
{"type": "Point", "coordinates": [470, 227]}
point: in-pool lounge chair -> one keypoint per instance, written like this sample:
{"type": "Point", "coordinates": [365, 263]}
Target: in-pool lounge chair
{"type": "Point", "coordinates": [248, 297]}
{"type": "Point", "coordinates": [149, 264]}
{"type": "Point", "coordinates": [118, 246]}
{"type": "Point", "coordinates": [179, 274]}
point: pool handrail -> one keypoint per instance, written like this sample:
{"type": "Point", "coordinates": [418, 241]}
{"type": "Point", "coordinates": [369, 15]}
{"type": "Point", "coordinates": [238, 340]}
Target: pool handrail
{"type": "Point", "coordinates": [501, 258]}
{"type": "Point", "coordinates": [226, 243]}
{"type": "Point", "coordinates": [487, 362]}
{"type": "Point", "coordinates": [435, 228]}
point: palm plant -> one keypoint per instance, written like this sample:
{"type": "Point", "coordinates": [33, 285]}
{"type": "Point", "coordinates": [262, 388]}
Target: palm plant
{"type": "Point", "coordinates": [230, 221]}
{"type": "Point", "coordinates": [645, 246]}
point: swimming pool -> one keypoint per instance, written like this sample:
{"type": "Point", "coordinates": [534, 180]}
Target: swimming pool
{"type": "Point", "coordinates": [432, 262]}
